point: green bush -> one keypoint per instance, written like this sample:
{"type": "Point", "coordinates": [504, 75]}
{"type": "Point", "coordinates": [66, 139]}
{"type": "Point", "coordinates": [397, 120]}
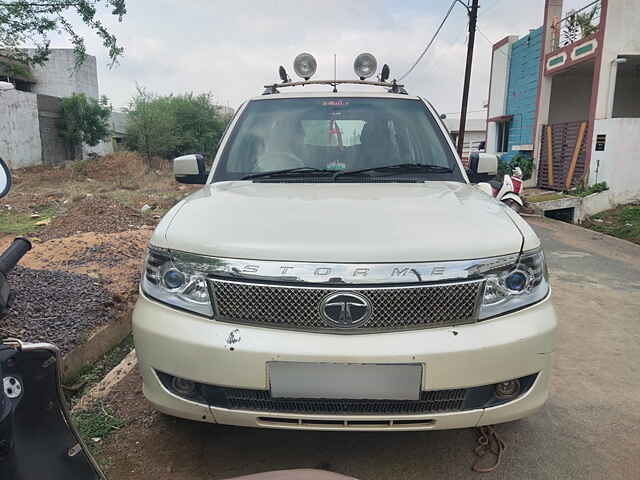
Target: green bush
{"type": "Point", "coordinates": [173, 125]}
{"type": "Point", "coordinates": [524, 162]}
{"type": "Point", "coordinates": [583, 191]}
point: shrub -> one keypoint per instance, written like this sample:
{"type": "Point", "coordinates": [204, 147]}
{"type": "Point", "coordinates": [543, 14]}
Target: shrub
{"type": "Point", "coordinates": [173, 125]}
{"type": "Point", "coordinates": [523, 161]}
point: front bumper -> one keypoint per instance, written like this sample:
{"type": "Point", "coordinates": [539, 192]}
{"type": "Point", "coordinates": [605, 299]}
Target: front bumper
{"type": "Point", "coordinates": [216, 353]}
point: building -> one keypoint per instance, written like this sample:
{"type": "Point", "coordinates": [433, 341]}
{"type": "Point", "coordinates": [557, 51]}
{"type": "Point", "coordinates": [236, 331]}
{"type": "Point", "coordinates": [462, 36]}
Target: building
{"type": "Point", "coordinates": [475, 134]}
{"type": "Point", "coordinates": [513, 85]}
{"type": "Point", "coordinates": [567, 94]}
{"type": "Point", "coordinates": [29, 112]}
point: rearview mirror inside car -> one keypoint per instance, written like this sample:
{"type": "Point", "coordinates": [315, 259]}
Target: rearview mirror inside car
{"type": "Point", "coordinates": [190, 169]}
{"type": "Point", "coordinates": [482, 167]}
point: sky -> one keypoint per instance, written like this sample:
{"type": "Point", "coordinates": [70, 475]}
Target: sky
{"type": "Point", "coordinates": [232, 49]}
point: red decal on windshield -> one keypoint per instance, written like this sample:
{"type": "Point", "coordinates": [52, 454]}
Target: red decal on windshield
{"type": "Point", "coordinates": [335, 103]}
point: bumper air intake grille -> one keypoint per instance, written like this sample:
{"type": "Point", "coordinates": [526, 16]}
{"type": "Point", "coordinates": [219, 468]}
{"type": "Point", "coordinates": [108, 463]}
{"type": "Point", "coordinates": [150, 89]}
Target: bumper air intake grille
{"type": "Point", "coordinates": [261, 401]}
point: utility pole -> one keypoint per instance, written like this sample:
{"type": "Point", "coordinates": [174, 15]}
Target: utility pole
{"type": "Point", "coordinates": [473, 17]}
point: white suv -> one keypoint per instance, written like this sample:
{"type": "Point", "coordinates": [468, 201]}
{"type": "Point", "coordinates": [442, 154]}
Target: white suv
{"type": "Point", "coordinates": [338, 271]}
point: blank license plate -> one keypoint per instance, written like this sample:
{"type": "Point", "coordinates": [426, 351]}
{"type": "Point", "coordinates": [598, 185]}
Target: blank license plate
{"type": "Point", "coordinates": [345, 380]}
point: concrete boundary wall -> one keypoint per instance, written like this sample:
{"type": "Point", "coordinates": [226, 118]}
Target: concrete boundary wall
{"type": "Point", "coordinates": [617, 164]}
{"type": "Point", "coordinates": [20, 144]}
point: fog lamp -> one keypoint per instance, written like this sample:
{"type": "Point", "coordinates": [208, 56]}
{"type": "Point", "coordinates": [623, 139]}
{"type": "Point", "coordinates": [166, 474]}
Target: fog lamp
{"type": "Point", "coordinates": [173, 279]}
{"type": "Point", "coordinates": [365, 65]}
{"type": "Point", "coordinates": [305, 65]}
{"type": "Point", "coordinates": [507, 389]}
{"type": "Point", "coordinates": [183, 387]}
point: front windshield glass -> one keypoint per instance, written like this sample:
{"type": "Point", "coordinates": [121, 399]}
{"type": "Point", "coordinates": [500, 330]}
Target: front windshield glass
{"type": "Point", "coordinates": [337, 135]}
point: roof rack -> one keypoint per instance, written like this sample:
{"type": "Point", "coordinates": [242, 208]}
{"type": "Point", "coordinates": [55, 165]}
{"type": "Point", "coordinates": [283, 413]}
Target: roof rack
{"type": "Point", "coordinates": [393, 86]}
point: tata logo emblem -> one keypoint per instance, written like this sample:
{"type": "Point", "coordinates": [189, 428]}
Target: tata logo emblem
{"type": "Point", "coordinates": [345, 310]}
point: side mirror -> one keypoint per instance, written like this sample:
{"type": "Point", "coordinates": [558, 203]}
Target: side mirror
{"type": "Point", "coordinates": [5, 178]}
{"type": "Point", "coordinates": [190, 169]}
{"type": "Point", "coordinates": [482, 166]}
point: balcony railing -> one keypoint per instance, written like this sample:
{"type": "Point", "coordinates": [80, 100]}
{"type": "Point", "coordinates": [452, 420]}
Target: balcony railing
{"type": "Point", "coordinates": [576, 25]}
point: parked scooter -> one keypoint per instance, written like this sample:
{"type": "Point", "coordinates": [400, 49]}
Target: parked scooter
{"type": "Point", "coordinates": [483, 168]}
{"type": "Point", "coordinates": [509, 190]}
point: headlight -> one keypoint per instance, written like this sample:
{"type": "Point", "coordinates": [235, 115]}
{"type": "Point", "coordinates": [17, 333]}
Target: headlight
{"type": "Point", "coordinates": [175, 283]}
{"type": "Point", "coordinates": [515, 286]}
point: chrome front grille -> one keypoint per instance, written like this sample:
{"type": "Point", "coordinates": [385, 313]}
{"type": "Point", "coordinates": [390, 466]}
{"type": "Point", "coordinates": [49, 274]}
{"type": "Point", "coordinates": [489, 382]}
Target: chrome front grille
{"type": "Point", "coordinates": [392, 308]}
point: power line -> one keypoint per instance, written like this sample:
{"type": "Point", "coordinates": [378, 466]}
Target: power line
{"type": "Point", "coordinates": [490, 7]}
{"type": "Point", "coordinates": [491, 43]}
{"type": "Point", "coordinates": [470, 111]}
{"type": "Point", "coordinates": [433, 39]}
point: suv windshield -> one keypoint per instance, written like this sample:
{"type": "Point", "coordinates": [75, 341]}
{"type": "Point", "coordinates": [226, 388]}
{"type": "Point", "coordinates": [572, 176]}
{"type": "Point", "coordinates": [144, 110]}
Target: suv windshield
{"type": "Point", "coordinates": [303, 139]}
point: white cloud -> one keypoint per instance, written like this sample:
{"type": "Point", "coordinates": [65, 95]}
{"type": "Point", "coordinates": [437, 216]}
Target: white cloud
{"type": "Point", "coordinates": [233, 48]}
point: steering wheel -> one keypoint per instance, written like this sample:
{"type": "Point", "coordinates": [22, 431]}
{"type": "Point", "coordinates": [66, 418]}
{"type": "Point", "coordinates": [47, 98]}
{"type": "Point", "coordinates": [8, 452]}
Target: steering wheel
{"type": "Point", "coordinates": [278, 161]}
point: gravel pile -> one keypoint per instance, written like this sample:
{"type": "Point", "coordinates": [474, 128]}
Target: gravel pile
{"type": "Point", "coordinates": [109, 255]}
{"type": "Point", "coordinates": [93, 214]}
{"type": "Point", "coordinates": [56, 307]}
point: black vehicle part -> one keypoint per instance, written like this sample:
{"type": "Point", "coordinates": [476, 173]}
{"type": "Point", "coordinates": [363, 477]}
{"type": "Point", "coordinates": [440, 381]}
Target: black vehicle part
{"type": "Point", "coordinates": [12, 255]}
{"type": "Point", "coordinates": [36, 431]}
{"type": "Point", "coordinates": [7, 406]}
{"type": "Point", "coordinates": [8, 260]}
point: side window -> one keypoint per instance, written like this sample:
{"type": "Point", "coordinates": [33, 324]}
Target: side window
{"type": "Point", "coordinates": [502, 137]}
{"type": "Point", "coordinates": [249, 145]}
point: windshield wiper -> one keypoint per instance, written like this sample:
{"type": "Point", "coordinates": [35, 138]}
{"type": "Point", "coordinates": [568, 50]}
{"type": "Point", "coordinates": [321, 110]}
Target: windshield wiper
{"type": "Point", "coordinates": [287, 171]}
{"type": "Point", "coordinates": [422, 167]}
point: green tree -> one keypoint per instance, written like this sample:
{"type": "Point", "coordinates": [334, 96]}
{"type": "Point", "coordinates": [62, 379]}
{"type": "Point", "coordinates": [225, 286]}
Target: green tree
{"type": "Point", "coordinates": [151, 125]}
{"type": "Point", "coordinates": [198, 125]}
{"type": "Point", "coordinates": [172, 125]}
{"type": "Point", "coordinates": [82, 120]}
{"type": "Point", "coordinates": [24, 22]}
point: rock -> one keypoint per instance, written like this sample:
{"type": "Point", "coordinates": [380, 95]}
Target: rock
{"type": "Point", "coordinates": [145, 208]}
{"type": "Point", "coordinates": [628, 224]}
{"type": "Point", "coordinates": [35, 215]}
{"type": "Point", "coordinates": [44, 222]}
{"type": "Point", "coordinates": [599, 220]}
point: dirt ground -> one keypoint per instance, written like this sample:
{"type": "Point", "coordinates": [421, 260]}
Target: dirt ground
{"type": "Point", "coordinates": [85, 218]}
{"type": "Point", "coordinates": [588, 429]}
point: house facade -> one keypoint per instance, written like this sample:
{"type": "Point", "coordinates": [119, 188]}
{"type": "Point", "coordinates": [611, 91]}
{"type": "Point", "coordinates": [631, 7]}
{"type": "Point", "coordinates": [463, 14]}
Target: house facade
{"type": "Point", "coordinates": [568, 96]}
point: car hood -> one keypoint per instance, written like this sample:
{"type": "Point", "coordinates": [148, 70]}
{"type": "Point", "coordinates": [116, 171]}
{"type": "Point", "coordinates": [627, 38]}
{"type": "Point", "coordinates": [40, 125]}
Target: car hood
{"type": "Point", "coordinates": [342, 222]}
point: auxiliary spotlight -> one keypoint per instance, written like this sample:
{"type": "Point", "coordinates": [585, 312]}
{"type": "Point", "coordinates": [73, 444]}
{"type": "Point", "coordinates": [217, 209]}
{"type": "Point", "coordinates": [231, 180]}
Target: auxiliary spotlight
{"type": "Point", "coordinates": [305, 65]}
{"type": "Point", "coordinates": [365, 65]}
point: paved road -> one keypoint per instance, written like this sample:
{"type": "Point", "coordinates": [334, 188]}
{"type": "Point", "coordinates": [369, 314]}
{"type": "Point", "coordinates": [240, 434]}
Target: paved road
{"type": "Point", "coordinates": [590, 427]}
